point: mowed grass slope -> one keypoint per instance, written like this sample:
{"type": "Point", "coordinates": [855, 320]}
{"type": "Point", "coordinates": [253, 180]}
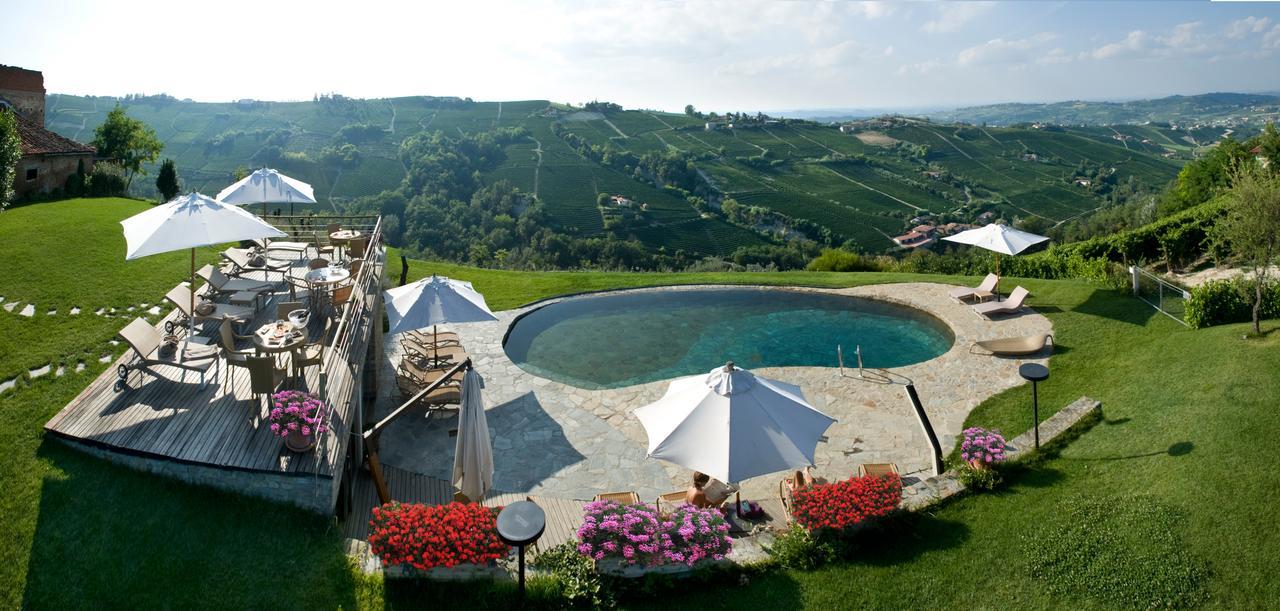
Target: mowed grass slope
{"type": "Point", "coordinates": [1189, 416]}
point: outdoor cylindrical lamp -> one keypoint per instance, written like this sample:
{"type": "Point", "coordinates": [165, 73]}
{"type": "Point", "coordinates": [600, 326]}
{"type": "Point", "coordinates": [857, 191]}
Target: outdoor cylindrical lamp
{"type": "Point", "coordinates": [1034, 373]}
{"type": "Point", "coordinates": [520, 524]}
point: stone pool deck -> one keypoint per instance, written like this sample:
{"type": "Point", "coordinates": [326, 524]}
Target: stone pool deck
{"type": "Point", "coordinates": [557, 440]}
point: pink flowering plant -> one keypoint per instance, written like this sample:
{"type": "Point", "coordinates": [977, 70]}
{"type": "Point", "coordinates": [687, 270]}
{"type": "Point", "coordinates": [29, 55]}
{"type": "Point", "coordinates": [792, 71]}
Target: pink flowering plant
{"type": "Point", "coordinates": [294, 410]}
{"type": "Point", "coordinates": [640, 535]}
{"type": "Point", "coordinates": [982, 445]}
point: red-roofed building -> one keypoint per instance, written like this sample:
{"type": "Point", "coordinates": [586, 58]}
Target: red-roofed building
{"type": "Point", "coordinates": [47, 158]}
{"type": "Point", "coordinates": [913, 239]}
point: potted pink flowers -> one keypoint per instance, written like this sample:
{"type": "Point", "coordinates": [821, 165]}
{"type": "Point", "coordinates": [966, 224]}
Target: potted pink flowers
{"type": "Point", "coordinates": [982, 448]}
{"type": "Point", "coordinates": [298, 417]}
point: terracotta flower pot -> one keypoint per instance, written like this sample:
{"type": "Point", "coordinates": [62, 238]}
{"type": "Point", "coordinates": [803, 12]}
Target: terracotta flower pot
{"type": "Point", "coordinates": [297, 442]}
{"type": "Point", "coordinates": [979, 465]}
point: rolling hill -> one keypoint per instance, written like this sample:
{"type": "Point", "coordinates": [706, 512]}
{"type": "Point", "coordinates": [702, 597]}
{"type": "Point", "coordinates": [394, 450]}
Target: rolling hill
{"type": "Point", "coordinates": [1220, 110]}
{"type": "Point", "coordinates": [864, 182]}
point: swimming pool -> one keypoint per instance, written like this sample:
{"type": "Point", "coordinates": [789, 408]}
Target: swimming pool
{"type": "Point", "coordinates": [631, 337]}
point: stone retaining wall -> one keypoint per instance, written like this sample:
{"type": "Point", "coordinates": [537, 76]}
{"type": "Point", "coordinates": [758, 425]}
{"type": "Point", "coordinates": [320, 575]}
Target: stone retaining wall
{"type": "Point", "coordinates": [934, 489]}
{"type": "Point", "coordinates": [308, 491]}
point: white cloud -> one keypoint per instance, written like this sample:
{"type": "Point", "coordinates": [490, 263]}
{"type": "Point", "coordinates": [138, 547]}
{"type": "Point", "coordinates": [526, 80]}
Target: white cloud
{"type": "Point", "coordinates": [952, 15]}
{"type": "Point", "coordinates": [924, 67]}
{"type": "Point", "coordinates": [825, 59]}
{"type": "Point", "coordinates": [872, 9]}
{"type": "Point", "coordinates": [1272, 39]}
{"type": "Point", "coordinates": [1184, 39]}
{"type": "Point", "coordinates": [1000, 50]}
{"type": "Point", "coordinates": [1056, 55]}
{"type": "Point", "coordinates": [1249, 25]}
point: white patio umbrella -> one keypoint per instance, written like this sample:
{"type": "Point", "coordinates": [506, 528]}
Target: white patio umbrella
{"type": "Point", "coordinates": [187, 222]}
{"type": "Point", "coordinates": [733, 425]}
{"type": "Point", "coordinates": [268, 186]}
{"type": "Point", "coordinates": [431, 301]}
{"type": "Point", "coordinates": [1000, 239]}
{"type": "Point", "coordinates": [473, 456]}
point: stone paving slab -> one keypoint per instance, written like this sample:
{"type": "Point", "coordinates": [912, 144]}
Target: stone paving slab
{"type": "Point", "coordinates": [555, 439]}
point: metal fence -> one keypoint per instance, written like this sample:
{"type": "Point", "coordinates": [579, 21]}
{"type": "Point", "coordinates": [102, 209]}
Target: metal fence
{"type": "Point", "coordinates": [1166, 297]}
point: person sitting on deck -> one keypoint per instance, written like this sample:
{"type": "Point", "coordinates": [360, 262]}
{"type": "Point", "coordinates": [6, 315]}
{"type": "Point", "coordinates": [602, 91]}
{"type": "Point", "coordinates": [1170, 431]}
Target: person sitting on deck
{"type": "Point", "coordinates": [707, 492]}
{"type": "Point", "coordinates": [800, 480]}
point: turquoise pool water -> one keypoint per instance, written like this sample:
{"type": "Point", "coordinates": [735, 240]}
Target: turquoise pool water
{"type": "Point", "coordinates": [631, 337]}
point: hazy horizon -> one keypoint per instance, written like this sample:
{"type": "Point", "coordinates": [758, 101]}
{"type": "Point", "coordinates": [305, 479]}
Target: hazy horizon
{"type": "Point", "coordinates": [774, 57]}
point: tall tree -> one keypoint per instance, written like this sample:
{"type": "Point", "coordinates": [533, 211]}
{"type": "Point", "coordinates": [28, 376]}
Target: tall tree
{"type": "Point", "coordinates": [1251, 228]}
{"type": "Point", "coordinates": [1269, 145]}
{"type": "Point", "coordinates": [128, 141]}
{"type": "Point", "coordinates": [690, 110]}
{"type": "Point", "coordinates": [167, 181]}
{"type": "Point", "coordinates": [10, 153]}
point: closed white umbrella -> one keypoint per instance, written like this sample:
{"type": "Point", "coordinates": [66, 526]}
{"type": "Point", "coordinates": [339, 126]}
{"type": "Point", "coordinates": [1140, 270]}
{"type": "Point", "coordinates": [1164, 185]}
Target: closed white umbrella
{"type": "Point", "coordinates": [268, 186]}
{"type": "Point", "coordinates": [187, 222]}
{"type": "Point", "coordinates": [1000, 239]}
{"type": "Point", "coordinates": [434, 300]}
{"type": "Point", "coordinates": [733, 425]}
{"type": "Point", "coordinates": [473, 455]}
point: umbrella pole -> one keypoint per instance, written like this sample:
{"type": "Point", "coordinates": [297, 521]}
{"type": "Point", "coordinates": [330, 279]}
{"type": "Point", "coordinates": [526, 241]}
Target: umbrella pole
{"type": "Point", "coordinates": [435, 343]}
{"type": "Point", "coordinates": [191, 322]}
{"type": "Point", "coordinates": [997, 276]}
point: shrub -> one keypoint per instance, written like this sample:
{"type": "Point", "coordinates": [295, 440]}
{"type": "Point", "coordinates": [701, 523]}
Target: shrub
{"type": "Point", "coordinates": [638, 534]}
{"type": "Point", "coordinates": [106, 180]}
{"type": "Point", "coordinates": [1120, 551]}
{"type": "Point", "coordinates": [430, 536]}
{"type": "Point", "coordinates": [844, 504]}
{"type": "Point", "coordinates": [798, 548]}
{"type": "Point", "coordinates": [575, 574]}
{"type": "Point", "coordinates": [838, 260]}
{"type": "Point", "coordinates": [294, 410]}
{"type": "Point", "coordinates": [1220, 302]}
{"type": "Point", "coordinates": [979, 479]}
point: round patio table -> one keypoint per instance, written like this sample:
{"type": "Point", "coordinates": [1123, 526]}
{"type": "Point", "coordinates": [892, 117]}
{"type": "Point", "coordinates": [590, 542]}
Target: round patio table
{"type": "Point", "coordinates": [342, 237]}
{"type": "Point", "coordinates": [321, 280]}
{"type": "Point", "coordinates": [278, 336]}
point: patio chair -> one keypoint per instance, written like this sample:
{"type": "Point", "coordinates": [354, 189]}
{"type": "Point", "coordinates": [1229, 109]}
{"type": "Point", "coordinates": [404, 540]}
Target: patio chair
{"type": "Point", "coordinates": [317, 263]}
{"type": "Point", "coordinates": [671, 499]}
{"type": "Point", "coordinates": [448, 394]}
{"type": "Point", "coordinates": [285, 307]}
{"type": "Point", "coordinates": [264, 376]}
{"type": "Point", "coordinates": [356, 247]}
{"type": "Point", "coordinates": [985, 289]}
{"type": "Point", "coordinates": [339, 297]}
{"type": "Point", "coordinates": [311, 353]}
{"type": "Point", "coordinates": [425, 374]}
{"type": "Point", "coordinates": [332, 228]}
{"type": "Point", "coordinates": [877, 469]}
{"type": "Point", "coordinates": [180, 296]}
{"type": "Point", "coordinates": [241, 263]}
{"type": "Point", "coordinates": [298, 248]}
{"type": "Point", "coordinates": [1015, 346]}
{"type": "Point", "coordinates": [146, 342]}
{"type": "Point", "coordinates": [621, 498]}
{"type": "Point", "coordinates": [229, 338]}
{"type": "Point", "coordinates": [1008, 306]}
{"type": "Point", "coordinates": [354, 266]}
{"type": "Point", "coordinates": [323, 246]}
{"type": "Point", "coordinates": [788, 486]}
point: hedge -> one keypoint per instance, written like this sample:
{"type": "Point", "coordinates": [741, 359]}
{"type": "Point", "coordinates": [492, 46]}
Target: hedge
{"type": "Point", "coordinates": [1220, 302]}
{"type": "Point", "coordinates": [1181, 237]}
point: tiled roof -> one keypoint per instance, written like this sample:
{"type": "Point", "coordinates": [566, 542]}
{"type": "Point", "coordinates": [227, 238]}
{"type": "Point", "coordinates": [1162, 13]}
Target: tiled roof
{"type": "Point", "coordinates": [37, 140]}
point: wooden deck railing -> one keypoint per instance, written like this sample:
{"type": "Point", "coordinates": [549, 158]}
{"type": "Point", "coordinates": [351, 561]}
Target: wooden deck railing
{"type": "Point", "coordinates": [305, 228]}
{"type": "Point", "coordinates": [345, 357]}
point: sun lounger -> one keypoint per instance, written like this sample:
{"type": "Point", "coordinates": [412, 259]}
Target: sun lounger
{"type": "Point", "coordinates": [1015, 346]}
{"type": "Point", "coordinates": [671, 500]}
{"type": "Point", "coordinates": [146, 343]}
{"type": "Point", "coordinates": [877, 469]}
{"type": "Point", "coordinates": [445, 395]}
{"type": "Point", "coordinates": [426, 339]}
{"type": "Point", "coordinates": [983, 291]}
{"type": "Point", "coordinates": [298, 248]}
{"type": "Point", "coordinates": [1008, 306]}
{"type": "Point", "coordinates": [241, 261]}
{"type": "Point", "coordinates": [621, 498]}
{"type": "Point", "coordinates": [222, 284]}
{"type": "Point", "coordinates": [180, 296]}
{"type": "Point", "coordinates": [441, 356]}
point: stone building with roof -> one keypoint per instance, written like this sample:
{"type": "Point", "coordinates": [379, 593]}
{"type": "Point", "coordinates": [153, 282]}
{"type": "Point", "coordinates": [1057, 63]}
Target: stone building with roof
{"type": "Point", "coordinates": [48, 159]}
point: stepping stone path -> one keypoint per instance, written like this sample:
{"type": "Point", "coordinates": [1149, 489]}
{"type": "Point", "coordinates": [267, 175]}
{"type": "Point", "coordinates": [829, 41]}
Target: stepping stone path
{"type": "Point", "coordinates": [61, 370]}
{"type": "Point", "coordinates": [8, 307]}
{"type": "Point", "coordinates": [106, 358]}
{"type": "Point", "coordinates": [38, 371]}
{"type": "Point", "coordinates": [100, 311]}
{"type": "Point", "coordinates": [154, 310]}
{"type": "Point", "coordinates": [7, 384]}
{"type": "Point", "coordinates": [28, 310]}
{"type": "Point", "coordinates": [79, 366]}
{"type": "Point", "coordinates": [75, 310]}
{"type": "Point", "coordinates": [52, 313]}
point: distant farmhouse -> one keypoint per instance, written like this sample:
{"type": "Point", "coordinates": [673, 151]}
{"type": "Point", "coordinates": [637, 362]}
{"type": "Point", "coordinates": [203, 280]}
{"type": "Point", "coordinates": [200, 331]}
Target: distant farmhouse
{"type": "Point", "coordinates": [47, 158]}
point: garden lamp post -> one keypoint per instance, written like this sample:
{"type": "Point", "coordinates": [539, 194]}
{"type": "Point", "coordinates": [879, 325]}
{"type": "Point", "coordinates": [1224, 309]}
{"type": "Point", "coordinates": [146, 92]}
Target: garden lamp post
{"type": "Point", "coordinates": [1034, 373]}
{"type": "Point", "coordinates": [520, 524]}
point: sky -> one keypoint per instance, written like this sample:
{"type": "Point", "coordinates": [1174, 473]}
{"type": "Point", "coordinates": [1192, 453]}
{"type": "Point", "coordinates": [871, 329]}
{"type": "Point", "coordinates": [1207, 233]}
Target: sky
{"type": "Point", "coordinates": [745, 55]}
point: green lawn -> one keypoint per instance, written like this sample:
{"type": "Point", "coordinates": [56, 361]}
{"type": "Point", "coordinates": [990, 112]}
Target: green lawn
{"type": "Point", "coordinates": [1187, 417]}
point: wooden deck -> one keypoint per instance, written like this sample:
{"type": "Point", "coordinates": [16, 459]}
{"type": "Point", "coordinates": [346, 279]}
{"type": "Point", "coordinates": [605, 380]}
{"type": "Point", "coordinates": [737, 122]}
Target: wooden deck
{"type": "Point", "coordinates": [563, 515]}
{"type": "Point", "coordinates": [167, 417]}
